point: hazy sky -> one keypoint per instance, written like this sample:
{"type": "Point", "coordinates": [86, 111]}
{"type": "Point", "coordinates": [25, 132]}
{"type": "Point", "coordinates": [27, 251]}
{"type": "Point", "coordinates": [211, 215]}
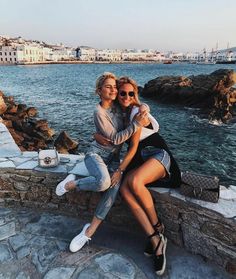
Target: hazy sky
{"type": "Point", "coordinates": [179, 25]}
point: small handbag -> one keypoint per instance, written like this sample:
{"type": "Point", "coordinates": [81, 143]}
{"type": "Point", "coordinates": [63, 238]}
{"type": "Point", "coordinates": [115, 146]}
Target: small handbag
{"type": "Point", "coordinates": [48, 158]}
{"type": "Point", "coordinates": [200, 187]}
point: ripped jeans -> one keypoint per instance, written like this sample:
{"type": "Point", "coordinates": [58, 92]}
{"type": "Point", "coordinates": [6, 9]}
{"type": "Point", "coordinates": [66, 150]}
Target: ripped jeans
{"type": "Point", "coordinates": [99, 181]}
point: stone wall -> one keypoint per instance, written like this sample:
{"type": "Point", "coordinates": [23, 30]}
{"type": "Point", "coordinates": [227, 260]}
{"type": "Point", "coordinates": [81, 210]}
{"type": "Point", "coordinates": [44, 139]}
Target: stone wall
{"type": "Point", "coordinates": [202, 228]}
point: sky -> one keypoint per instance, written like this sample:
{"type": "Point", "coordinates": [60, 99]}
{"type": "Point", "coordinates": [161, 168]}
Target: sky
{"type": "Point", "coordinates": [167, 25]}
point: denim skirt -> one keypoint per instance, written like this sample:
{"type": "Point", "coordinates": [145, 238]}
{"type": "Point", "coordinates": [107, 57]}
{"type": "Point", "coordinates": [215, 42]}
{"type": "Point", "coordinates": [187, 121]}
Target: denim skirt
{"type": "Point", "coordinates": [157, 153]}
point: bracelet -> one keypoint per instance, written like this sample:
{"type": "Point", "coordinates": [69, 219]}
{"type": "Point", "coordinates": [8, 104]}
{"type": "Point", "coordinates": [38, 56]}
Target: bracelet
{"type": "Point", "coordinates": [120, 170]}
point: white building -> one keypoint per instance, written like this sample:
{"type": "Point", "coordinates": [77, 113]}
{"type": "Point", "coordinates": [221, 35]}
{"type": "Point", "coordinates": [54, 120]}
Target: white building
{"type": "Point", "coordinates": [142, 55]}
{"type": "Point", "coordinates": [34, 53]}
{"type": "Point", "coordinates": [86, 53]}
{"type": "Point", "coordinates": [62, 54]}
{"type": "Point", "coordinates": [108, 55]}
{"type": "Point", "coordinates": [21, 54]}
{"type": "Point", "coordinates": [8, 55]}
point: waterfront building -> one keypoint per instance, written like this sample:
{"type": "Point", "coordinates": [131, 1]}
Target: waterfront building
{"type": "Point", "coordinates": [226, 55]}
{"type": "Point", "coordinates": [190, 57]}
{"type": "Point", "coordinates": [84, 53]}
{"type": "Point", "coordinates": [8, 55]}
{"type": "Point", "coordinates": [62, 54]}
{"type": "Point", "coordinates": [108, 55]}
{"type": "Point", "coordinates": [135, 55]}
{"type": "Point", "coordinates": [22, 53]}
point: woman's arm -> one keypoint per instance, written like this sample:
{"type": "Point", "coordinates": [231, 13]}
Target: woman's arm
{"type": "Point", "coordinates": [155, 124]}
{"type": "Point", "coordinates": [152, 120]}
{"type": "Point", "coordinates": [106, 128]}
{"type": "Point", "coordinates": [127, 158]}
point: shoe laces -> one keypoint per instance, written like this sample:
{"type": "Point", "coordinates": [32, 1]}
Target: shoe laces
{"type": "Point", "coordinates": [82, 239]}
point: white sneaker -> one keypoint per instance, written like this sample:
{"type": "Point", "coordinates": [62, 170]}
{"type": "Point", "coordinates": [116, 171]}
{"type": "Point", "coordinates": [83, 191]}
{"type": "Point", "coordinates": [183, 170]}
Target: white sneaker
{"type": "Point", "coordinates": [80, 240]}
{"type": "Point", "coordinates": [60, 189]}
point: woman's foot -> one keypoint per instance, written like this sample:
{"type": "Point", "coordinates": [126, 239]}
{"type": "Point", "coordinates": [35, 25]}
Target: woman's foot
{"type": "Point", "coordinates": [159, 228]}
{"type": "Point", "coordinates": [66, 185]}
{"type": "Point", "coordinates": [160, 255]}
{"type": "Point", "coordinates": [80, 240]}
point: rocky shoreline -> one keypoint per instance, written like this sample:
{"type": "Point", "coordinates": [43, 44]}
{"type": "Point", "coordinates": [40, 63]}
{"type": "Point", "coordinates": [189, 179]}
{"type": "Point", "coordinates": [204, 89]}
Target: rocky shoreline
{"type": "Point", "coordinates": [29, 132]}
{"type": "Point", "coordinates": [212, 93]}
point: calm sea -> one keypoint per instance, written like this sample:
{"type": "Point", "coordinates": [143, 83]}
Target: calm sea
{"type": "Point", "coordinates": [64, 95]}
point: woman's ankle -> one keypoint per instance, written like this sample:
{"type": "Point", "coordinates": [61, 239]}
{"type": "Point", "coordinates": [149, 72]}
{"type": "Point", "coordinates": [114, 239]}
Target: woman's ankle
{"type": "Point", "coordinates": [70, 186]}
{"type": "Point", "coordinates": [89, 232]}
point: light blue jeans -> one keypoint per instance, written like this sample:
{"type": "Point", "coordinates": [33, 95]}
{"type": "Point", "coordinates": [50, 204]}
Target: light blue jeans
{"type": "Point", "coordinates": [99, 181]}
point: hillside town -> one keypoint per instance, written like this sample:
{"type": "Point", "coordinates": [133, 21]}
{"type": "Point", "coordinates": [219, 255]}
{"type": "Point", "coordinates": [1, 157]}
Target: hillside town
{"type": "Point", "coordinates": [20, 51]}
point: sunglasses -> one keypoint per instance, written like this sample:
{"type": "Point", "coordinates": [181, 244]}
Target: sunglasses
{"type": "Point", "coordinates": [124, 93]}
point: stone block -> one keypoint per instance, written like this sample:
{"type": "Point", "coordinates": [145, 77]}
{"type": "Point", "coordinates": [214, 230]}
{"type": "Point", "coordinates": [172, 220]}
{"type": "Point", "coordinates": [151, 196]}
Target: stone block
{"type": "Point", "coordinates": [18, 241]}
{"type": "Point", "coordinates": [21, 178]}
{"type": "Point", "coordinates": [80, 198]}
{"type": "Point", "coordinates": [23, 252]}
{"type": "Point", "coordinates": [116, 265]}
{"type": "Point", "coordinates": [7, 230]}
{"type": "Point", "coordinates": [7, 195]}
{"type": "Point", "coordinates": [36, 179]}
{"type": "Point", "coordinates": [21, 186]}
{"type": "Point", "coordinates": [220, 231]}
{"type": "Point", "coordinates": [60, 273]}
{"type": "Point", "coordinates": [5, 253]}
{"type": "Point", "coordinates": [43, 257]}
{"type": "Point", "coordinates": [5, 185]}
{"type": "Point", "coordinates": [197, 243]}
{"type": "Point", "coordinates": [5, 212]}
{"type": "Point", "coordinates": [39, 194]}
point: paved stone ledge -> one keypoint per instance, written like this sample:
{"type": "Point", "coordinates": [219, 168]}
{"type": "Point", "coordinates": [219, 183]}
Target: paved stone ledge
{"type": "Point", "coordinates": [203, 228]}
{"type": "Point", "coordinates": [39, 249]}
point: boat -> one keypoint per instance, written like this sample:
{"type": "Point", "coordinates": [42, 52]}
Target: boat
{"type": "Point", "coordinates": [167, 62]}
{"type": "Point", "coordinates": [206, 62]}
{"type": "Point", "coordinates": [226, 62]}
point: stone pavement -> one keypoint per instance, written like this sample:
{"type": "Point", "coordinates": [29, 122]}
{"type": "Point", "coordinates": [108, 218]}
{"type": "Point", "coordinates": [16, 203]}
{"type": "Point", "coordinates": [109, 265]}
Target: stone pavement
{"type": "Point", "coordinates": [34, 245]}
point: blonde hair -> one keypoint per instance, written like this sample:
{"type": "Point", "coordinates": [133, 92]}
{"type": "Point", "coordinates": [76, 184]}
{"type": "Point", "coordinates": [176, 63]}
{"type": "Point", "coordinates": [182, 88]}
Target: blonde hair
{"type": "Point", "coordinates": [100, 81]}
{"type": "Point", "coordinates": [126, 80]}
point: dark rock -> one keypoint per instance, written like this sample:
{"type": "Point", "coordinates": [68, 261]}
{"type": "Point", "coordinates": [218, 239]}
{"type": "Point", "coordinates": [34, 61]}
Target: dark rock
{"type": "Point", "coordinates": [64, 144]}
{"type": "Point", "coordinates": [28, 132]}
{"type": "Point", "coordinates": [32, 112]}
{"type": "Point", "coordinates": [213, 93]}
{"type": "Point", "coordinates": [3, 106]}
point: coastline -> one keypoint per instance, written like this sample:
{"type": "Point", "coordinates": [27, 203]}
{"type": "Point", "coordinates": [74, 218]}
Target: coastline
{"type": "Point", "coordinates": [81, 62]}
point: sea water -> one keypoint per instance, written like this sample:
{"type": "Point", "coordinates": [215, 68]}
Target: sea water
{"type": "Point", "coordinates": [64, 95]}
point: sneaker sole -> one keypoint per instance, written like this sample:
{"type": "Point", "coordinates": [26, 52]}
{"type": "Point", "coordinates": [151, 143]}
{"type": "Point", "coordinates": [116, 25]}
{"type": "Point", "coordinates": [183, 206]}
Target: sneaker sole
{"type": "Point", "coordinates": [160, 272]}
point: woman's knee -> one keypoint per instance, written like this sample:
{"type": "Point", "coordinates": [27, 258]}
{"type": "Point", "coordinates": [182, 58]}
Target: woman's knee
{"type": "Point", "coordinates": [103, 183]}
{"type": "Point", "coordinates": [135, 183]}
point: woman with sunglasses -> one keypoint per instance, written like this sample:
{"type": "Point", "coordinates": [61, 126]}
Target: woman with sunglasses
{"type": "Point", "coordinates": [148, 160]}
{"type": "Point", "coordinates": [100, 160]}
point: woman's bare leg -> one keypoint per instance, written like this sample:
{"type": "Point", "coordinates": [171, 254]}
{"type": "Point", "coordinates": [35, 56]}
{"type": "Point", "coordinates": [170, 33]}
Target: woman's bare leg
{"type": "Point", "coordinates": [135, 207]}
{"type": "Point", "coordinates": [139, 213]}
{"type": "Point", "coordinates": [150, 171]}
{"type": "Point", "coordinates": [139, 199]}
